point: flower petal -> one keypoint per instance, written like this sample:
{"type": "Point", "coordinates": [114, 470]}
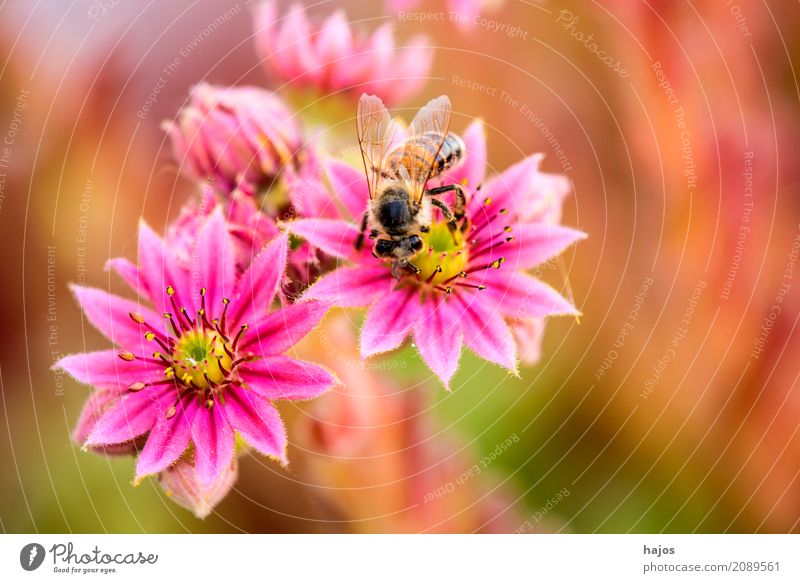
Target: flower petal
{"type": "Point", "coordinates": [168, 439]}
{"type": "Point", "coordinates": [528, 334]}
{"type": "Point", "coordinates": [505, 191]}
{"type": "Point", "coordinates": [438, 335]}
{"type": "Point", "coordinates": [281, 377]}
{"type": "Point", "coordinates": [282, 329]}
{"type": "Point", "coordinates": [389, 320]}
{"type": "Point", "coordinates": [335, 237]}
{"type": "Point", "coordinates": [111, 315]}
{"type": "Point", "coordinates": [545, 198]}
{"type": "Point", "coordinates": [217, 267]}
{"type": "Point", "coordinates": [181, 484]}
{"type": "Point", "coordinates": [159, 269]}
{"type": "Point", "coordinates": [106, 370]}
{"type": "Point", "coordinates": [307, 191]}
{"type": "Point", "coordinates": [93, 409]}
{"type": "Point", "coordinates": [259, 283]}
{"type": "Point", "coordinates": [129, 273]}
{"type": "Point", "coordinates": [519, 295]}
{"type": "Point", "coordinates": [352, 287]}
{"type": "Point", "coordinates": [486, 332]}
{"type": "Point", "coordinates": [258, 422]}
{"type": "Point", "coordinates": [349, 185]}
{"type": "Point", "coordinates": [130, 416]}
{"type": "Point", "coordinates": [213, 441]}
{"type": "Point", "coordinates": [534, 244]}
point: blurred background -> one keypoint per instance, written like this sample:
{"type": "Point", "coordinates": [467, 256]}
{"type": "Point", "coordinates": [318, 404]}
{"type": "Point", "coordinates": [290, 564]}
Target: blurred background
{"type": "Point", "coordinates": [672, 406]}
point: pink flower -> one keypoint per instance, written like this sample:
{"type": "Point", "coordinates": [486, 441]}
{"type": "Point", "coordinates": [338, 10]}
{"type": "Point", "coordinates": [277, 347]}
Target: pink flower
{"type": "Point", "coordinates": [470, 285]}
{"type": "Point", "coordinates": [238, 137]}
{"type": "Point", "coordinates": [207, 361]}
{"type": "Point", "coordinates": [330, 57]}
{"type": "Point", "coordinates": [248, 227]}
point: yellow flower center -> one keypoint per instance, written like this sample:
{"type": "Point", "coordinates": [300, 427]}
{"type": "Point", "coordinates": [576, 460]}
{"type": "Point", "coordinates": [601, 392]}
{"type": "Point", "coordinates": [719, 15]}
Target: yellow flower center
{"type": "Point", "coordinates": [200, 358]}
{"type": "Point", "coordinates": [443, 257]}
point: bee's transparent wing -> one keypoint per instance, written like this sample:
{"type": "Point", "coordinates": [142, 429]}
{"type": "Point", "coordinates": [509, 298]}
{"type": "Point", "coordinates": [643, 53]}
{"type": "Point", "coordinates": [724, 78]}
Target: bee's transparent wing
{"type": "Point", "coordinates": [376, 134]}
{"type": "Point", "coordinates": [427, 131]}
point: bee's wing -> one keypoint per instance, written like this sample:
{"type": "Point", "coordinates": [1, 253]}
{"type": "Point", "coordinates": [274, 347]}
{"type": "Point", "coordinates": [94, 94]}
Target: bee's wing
{"type": "Point", "coordinates": [427, 131]}
{"type": "Point", "coordinates": [376, 134]}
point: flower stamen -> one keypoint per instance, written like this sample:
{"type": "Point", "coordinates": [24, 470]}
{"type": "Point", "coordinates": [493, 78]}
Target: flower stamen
{"type": "Point", "coordinates": [199, 355]}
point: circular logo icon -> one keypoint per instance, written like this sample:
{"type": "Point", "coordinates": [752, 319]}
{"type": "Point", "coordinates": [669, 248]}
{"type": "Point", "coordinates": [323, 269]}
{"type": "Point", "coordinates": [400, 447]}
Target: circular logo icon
{"type": "Point", "coordinates": [31, 556]}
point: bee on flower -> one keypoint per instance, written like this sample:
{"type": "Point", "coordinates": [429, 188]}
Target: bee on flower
{"type": "Point", "coordinates": [463, 281]}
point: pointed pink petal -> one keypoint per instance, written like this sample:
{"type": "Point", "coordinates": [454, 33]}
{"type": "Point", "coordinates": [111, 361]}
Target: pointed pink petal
{"type": "Point", "coordinates": [282, 329]}
{"type": "Point", "coordinates": [132, 415]}
{"type": "Point", "coordinates": [110, 315]}
{"type": "Point", "coordinates": [534, 244]}
{"type": "Point", "coordinates": [258, 422]}
{"type": "Point", "coordinates": [181, 484]}
{"type": "Point", "coordinates": [281, 377]}
{"type": "Point", "coordinates": [334, 41]}
{"type": "Point", "coordinates": [309, 196]}
{"type": "Point", "coordinates": [243, 212]}
{"type": "Point", "coordinates": [486, 332]}
{"type": "Point", "coordinates": [349, 185]}
{"type": "Point", "coordinates": [545, 198]}
{"type": "Point", "coordinates": [216, 264]}
{"type": "Point", "coordinates": [410, 70]}
{"type": "Point", "coordinates": [389, 320]}
{"type": "Point", "coordinates": [438, 336]}
{"type": "Point", "coordinates": [352, 287]}
{"type": "Point", "coordinates": [129, 272]}
{"type": "Point", "coordinates": [94, 407]}
{"type": "Point", "coordinates": [168, 439]}
{"type": "Point", "coordinates": [213, 441]}
{"type": "Point", "coordinates": [506, 191]}
{"type": "Point", "coordinates": [265, 24]}
{"type": "Point", "coordinates": [294, 53]}
{"type": "Point", "coordinates": [520, 295]}
{"type": "Point", "coordinates": [378, 55]}
{"type": "Point", "coordinates": [160, 268]}
{"type": "Point", "coordinates": [259, 283]}
{"type": "Point", "coordinates": [528, 334]}
{"type": "Point", "coordinates": [335, 237]}
{"type": "Point", "coordinates": [106, 370]}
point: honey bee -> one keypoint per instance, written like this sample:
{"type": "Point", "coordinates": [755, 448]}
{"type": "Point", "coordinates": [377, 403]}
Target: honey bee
{"type": "Point", "coordinates": [401, 206]}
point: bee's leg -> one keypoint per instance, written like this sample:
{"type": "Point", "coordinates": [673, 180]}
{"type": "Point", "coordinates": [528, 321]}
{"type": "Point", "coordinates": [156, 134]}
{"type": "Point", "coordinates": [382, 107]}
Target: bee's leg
{"type": "Point", "coordinates": [360, 239]}
{"type": "Point", "coordinates": [460, 200]}
{"type": "Point", "coordinates": [448, 214]}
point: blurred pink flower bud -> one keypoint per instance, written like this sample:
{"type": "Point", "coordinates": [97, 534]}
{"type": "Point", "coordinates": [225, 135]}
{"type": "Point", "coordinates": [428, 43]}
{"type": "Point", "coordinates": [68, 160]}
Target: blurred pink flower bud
{"type": "Point", "coordinates": [181, 483]}
{"type": "Point", "coordinates": [331, 57]}
{"type": "Point", "coordinates": [239, 137]}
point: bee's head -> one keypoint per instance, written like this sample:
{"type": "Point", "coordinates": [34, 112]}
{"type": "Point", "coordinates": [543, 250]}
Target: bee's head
{"type": "Point", "coordinates": [401, 250]}
{"type": "Point", "coordinates": [393, 210]}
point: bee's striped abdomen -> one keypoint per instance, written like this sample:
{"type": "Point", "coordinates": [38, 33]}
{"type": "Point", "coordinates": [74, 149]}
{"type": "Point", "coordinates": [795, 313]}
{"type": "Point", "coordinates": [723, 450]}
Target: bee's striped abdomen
{"type": "Point", "coordinates": [419, 153]}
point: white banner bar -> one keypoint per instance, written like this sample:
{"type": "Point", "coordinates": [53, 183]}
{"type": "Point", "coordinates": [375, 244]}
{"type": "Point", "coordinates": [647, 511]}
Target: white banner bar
{"type": "Point", "coordinates": [380, 558]}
